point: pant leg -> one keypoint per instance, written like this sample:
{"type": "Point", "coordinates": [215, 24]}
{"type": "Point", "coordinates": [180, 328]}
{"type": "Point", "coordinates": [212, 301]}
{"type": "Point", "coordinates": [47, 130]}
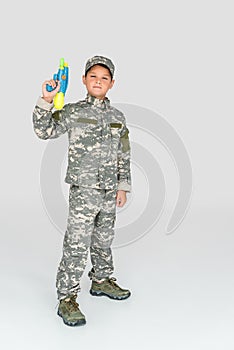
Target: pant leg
{"type": "Point", "coordinates": [82, 213]}
{"type": "Point", "coordinates": [102, 237]}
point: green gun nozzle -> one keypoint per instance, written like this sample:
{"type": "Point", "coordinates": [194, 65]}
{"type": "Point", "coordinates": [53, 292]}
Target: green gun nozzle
{"type": "Point", "coordinates": [61, 63]}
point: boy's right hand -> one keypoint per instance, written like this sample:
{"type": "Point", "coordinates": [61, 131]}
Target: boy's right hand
{"type": "Point", "coordinates": [49, 95]}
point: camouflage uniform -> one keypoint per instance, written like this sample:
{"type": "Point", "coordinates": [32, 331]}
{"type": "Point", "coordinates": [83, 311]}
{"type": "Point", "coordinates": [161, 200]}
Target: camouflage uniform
{"type": "Point", "coordinates": [98, 166]}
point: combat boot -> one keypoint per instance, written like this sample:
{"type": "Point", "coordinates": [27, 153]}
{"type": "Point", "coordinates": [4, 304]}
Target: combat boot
{"type": "Point", "coordinates": [69, 311]}
{"type": "Point", "coordinates": [109, 288]}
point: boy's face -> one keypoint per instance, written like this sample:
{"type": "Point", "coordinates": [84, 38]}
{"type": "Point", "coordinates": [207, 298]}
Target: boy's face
{"type": "Point", "coordinates": [98, 81]}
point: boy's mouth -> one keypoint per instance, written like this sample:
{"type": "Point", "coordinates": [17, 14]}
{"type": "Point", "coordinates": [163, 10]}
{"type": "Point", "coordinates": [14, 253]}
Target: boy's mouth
{"type": "Point", "coordinates": [97, 87]}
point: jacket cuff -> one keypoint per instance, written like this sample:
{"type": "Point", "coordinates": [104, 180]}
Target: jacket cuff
{"type": "Point", "coordinates": [44, 104]}
{"type": "Point", "coordinates": [124, 186]}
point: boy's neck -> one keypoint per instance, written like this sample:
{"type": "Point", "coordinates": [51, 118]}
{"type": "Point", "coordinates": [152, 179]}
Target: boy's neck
{"type": "Point", "coordinates": [98, 102]}
{"type": "Point", "coordinates": [101, 99]}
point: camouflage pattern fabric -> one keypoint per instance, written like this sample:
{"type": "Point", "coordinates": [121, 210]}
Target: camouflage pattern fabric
{"type": "Point", "coordinates": [91, 219]}
{"type": "Point", "coordinates": [98, 166]}
{"type": "Point", "coordinates": [99, 148]}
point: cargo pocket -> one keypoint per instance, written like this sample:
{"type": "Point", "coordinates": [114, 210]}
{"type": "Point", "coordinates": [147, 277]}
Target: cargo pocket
{"type": "Point", "coordinates": [88, 132]}
{"type": "Point", "coordinates": [115, 129]}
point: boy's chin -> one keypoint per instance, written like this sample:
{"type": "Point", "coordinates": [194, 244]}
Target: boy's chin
{"type": "Point", "coordinates": [100, 97]}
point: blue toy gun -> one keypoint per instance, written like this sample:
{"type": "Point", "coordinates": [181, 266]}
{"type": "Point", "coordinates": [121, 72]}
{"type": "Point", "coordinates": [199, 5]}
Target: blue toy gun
{"type": "Point", "coordinates": [62, 77]}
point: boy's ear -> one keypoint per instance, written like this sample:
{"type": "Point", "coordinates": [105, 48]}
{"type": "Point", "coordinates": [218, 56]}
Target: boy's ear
{"type": "Point", "coordinates": [83, 79]}
{"type": "Point", "coordinates": [112, 83]}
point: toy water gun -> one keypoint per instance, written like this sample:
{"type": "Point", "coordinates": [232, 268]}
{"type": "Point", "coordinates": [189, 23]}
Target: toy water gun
{"type": "Point", "coordinates": [62, 77]}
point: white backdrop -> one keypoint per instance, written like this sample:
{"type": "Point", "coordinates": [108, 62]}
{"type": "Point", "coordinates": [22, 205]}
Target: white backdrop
{"type": "Point", "coordinates": [175, 58]}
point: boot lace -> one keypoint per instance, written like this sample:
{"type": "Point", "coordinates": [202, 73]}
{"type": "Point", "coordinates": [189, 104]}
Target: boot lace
{"type": "Point", "coordinates": [72, 304]}
{"type": "Point", "coordinates": [112, 281]}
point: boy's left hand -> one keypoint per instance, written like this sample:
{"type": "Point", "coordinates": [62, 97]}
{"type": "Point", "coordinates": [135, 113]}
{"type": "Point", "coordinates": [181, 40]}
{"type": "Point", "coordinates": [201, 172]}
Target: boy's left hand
{"type": "Point", "coordinates": [121, 198]}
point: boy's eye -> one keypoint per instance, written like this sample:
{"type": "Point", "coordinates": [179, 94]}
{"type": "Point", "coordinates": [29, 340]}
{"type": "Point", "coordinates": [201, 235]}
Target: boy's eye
{"type": "Point", "coordinates": [104, 78]}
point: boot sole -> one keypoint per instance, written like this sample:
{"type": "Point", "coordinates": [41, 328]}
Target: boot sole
{"type": "Point", "coordinates": [100, 294]}
{"type": "Point", "coordinates": [72, 324]}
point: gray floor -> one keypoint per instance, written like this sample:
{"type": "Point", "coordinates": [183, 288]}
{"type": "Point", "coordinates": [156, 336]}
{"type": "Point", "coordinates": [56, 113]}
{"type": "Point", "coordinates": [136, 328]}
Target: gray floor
{"type": "Point", "coordinates": [182, 288]}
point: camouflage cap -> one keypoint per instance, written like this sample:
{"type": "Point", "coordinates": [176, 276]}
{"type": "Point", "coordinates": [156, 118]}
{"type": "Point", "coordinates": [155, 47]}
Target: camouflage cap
{"type": "Point", "coordinates": [100, 60]}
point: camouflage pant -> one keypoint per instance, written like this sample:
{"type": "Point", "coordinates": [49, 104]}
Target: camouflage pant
{"type": "Point", "coordinates": [90, 225]}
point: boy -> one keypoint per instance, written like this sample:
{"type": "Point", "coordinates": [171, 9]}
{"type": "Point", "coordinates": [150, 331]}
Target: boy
{"type": "Point", "coordinates": [99, 176]}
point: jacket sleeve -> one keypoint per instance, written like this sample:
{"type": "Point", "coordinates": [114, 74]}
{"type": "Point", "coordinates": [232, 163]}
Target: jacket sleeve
{"type": "Point", "coordinates": [48, 124]}
{"type": "Point", "coordinates": [124, 155]}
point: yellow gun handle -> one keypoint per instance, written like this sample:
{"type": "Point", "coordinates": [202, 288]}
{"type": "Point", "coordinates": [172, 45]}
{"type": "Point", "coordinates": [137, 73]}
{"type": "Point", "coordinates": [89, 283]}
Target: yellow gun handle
{"type": "Point", "coordinates": [59, 100]}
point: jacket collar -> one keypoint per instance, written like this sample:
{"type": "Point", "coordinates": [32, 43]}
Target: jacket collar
{"type": "Point", "coordinates": [97, 102]}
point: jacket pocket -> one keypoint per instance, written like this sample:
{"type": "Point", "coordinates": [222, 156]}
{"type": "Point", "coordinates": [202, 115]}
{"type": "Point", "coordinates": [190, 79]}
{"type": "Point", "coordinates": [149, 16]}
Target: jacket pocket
{"type": "Point", "coordinates": [86, 120]}
{"type": "Point", "coordinates": [116, 125]}
{"type": "Point", "coordinates": [84, 130]}
{"type": "Point", "coordinates": [115, 129]}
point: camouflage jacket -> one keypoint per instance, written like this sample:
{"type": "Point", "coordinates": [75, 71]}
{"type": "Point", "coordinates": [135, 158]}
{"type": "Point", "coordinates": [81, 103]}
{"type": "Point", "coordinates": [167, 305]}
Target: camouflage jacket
{"type": "Point", "coordinates": [99, 148]}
